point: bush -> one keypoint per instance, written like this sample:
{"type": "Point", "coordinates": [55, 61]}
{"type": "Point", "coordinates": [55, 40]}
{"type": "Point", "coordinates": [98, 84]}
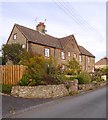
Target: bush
{"type": "Point", "coordinates": [72, 78]}
{"type": "Point", "coordinates": [73, 67]}
{"type": "Point", "coordinates": [84, 78]}
{"type": "Point", "coordinates": [25, 80]}
{"type": "Point", "coordinates": [51, 80]}
{"type": "Point", "coordinates": [6, 88]}
{"type": "Point", "coordinates": [30, 79]}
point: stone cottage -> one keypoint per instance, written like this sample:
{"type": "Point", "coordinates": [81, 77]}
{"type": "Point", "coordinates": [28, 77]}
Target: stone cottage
{"type": "Point", "coordinates": [61, 49]}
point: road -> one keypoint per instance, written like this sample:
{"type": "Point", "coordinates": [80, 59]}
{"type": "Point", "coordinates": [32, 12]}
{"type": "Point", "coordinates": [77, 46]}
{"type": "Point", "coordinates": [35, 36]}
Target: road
{"type": "Point", "coordinates": [88, 105]}
{"type": "Point", "coordinates": [11, 104]}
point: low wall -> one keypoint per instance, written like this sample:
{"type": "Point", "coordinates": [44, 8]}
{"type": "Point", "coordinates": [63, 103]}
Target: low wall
{"type": "Point", "coordinates": [41, 91]}
{"type": "Point", "coordinates": [45, 91]}
{"type": "Point", "coordinates": [72, 86]}
{"type": "Point", "coordinates": [84, 87]}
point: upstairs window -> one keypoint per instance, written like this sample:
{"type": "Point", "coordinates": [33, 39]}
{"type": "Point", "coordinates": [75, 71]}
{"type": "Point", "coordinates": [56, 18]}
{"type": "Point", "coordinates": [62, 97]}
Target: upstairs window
{"type": "Point", "coordinates": [46, 52]}
{"type": "Point", "coordinates": [88, 59]}
{"type": "Point", "coordinates": [69, 54]}
{"type": "Point", "coordinates": [15, 36]}
{"type": "Point", "coordinates": [62, 55]}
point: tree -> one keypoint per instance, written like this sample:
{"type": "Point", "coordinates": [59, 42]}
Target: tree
{"type": "Point", "coordinates": [12, 52]}
{"type": "Point", "coordinates": [73, 67]}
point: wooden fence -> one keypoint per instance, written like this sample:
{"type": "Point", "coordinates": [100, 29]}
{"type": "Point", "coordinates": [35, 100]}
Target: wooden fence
{"type": "Point", "coordinates": [11, 74]}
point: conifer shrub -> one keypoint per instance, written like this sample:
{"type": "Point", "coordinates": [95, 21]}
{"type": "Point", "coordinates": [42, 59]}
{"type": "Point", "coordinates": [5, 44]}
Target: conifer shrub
{"type": "Point", "coordinates": [84, 78]}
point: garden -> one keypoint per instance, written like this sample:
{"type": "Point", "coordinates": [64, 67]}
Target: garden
{"type": "Point", "coordinates": [41, 71]}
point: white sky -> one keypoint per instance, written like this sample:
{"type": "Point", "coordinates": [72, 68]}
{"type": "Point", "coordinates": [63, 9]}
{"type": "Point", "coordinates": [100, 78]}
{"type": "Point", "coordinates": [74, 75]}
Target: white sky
{"type": "Point", "coordinates": [86, 20]}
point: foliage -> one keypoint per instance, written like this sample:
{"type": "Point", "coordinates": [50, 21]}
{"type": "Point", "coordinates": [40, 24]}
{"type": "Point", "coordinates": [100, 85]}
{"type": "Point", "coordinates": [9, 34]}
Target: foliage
{"type": "Point", "coordinates": [51, 79]}
{"type": "Point", "coordinates": [73, 67]}
{"type": "Point", "coordinates": [84, 78]}
{"type": "Point", "coordinates": [6, 88]}
{"type": "Point", "coordinates": [96, 76]}
{"type": "Point", "coordinates": [12, 52]}
{"type": "Point", "coordinates": [35, 71]}
{"type": "Point", "coordinates": [1, 60]}
{"type": "Point", "coordinates": [62, 77]}
{"type": "Point", "coordinates": [51, 66]}
{"type": "Point", "coordinates": [25, 80]}
{"type": "Point", "coordinates": [105, 71]}
{"type": "Point", "coordinates": [72, 77]}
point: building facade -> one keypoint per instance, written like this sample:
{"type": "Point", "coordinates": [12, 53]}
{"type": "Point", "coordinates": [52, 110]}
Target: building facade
{"type": "Point", "coordinates": [102, 63]}
{"type": "Point", "coordinates": [61, 49]}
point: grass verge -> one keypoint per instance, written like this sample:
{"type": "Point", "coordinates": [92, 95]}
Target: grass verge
{"type": "Point", "coordinates": [5, 88]}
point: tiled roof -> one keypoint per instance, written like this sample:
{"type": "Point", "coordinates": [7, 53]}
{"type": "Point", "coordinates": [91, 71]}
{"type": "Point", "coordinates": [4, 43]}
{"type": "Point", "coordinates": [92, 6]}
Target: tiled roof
{"type": "Point", "coordinates": [39, 38]}
{"type": "Point", "coordinates": [45, 39]}
{"type": "Point", "coordinates": [85, 52]}
{"type": "Point", "coordinates": [64, 40]}
{"type": "Point", "coordinates": [103, 61]}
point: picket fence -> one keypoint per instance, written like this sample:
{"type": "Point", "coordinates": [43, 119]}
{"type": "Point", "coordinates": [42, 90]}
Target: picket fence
{"type": "Point", "coordinates": [11, 74]}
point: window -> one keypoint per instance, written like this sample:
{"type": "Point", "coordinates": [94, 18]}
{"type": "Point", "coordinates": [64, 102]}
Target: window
{"type": "Point", "coordinates": [62, 55]}
{"type": "Point", "coordinates": [88, 59]}
{"type": "Point", "coordinates": [15, 36]}
{"type": "Point", "coordinates": [23, 46]}
{"type": "Point", "coordinates": [68, 54]}
{"type": "Point", "coordinates": [72, 46]}
{"type": "Point", "coordinates": [47, 52]}
{"type": "Point", "coordinates": [75, 55]}
{"type": "Point", "coordinates": [80, 58]}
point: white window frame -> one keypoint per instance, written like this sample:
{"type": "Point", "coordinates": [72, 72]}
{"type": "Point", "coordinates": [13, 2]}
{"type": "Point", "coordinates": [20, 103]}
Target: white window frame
{"type": "Point", "coordinates": [69, 54]}
{"type": "Point", "coordinates": [88, 59]}
{"type": "Point", "coordinates": [14, 36]}
{"type": "Point", "coordinates": [23, 46]}
{"type": "Point", "coordinates": [62, 55]}
{"type": "Point", "coordinates": [80, 58]}
{"type": "Point", "coordinates": [47, 52]}
{"type": "Point", "coordinates": [75, 56]}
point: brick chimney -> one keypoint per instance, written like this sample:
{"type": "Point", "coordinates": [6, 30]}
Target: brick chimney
{"type": "Point", "coordinates": [41, 27]}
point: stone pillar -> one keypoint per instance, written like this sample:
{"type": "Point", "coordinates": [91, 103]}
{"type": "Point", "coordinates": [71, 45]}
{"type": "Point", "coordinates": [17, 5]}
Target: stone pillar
{"type": "Point", "coordinates": [73, 86]}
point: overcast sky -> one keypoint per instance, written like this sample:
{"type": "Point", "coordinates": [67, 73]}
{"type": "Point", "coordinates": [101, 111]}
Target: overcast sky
{"type": "Point", "coordinates": [86, 20]}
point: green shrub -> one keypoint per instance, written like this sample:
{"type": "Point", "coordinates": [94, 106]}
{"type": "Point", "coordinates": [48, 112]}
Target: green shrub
{"type": "Point", "coordinates": [73, 67]}
{"type": "Point", "coordinates": [6, 88]}
{"type": "Point", "coordinates": [25, 80]}
{"type": "Point", "coordinates": [84, 78]}
{"type": "Point", "coordinates": [30, 79]}
{"type": "Point", "coordinates": [63, 77]}
{"type": "Point", "coordinates": [96, 78]}
{"type": "Point", "coordinates": [72, 78]}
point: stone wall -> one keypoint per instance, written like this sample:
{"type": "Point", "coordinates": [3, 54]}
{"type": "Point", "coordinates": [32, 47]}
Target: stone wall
{"type": "Point", "coordinates": [84, 87]}
{"type": "Point", "coordinates": [72, 86]}
{"type": "Point", "coordinates": [45, 91]}
{"type": "Point", "coordinates": [51, 91]}
{"type": "Point", "coordinates": [41, 91]}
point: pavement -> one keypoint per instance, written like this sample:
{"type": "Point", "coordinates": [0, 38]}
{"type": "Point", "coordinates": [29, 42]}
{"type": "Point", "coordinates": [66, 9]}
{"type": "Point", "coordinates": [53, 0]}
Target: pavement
{"type": "Point", "coordinates": [11, 105]}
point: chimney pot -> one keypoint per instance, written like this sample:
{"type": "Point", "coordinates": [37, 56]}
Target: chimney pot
{"type": "Point", "coordinates": [41, 27]}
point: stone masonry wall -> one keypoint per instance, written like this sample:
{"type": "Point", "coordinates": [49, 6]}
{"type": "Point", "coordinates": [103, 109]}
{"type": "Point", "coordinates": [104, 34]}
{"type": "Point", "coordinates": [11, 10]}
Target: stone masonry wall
{"type": "Point", "coordinates": [44, 91]}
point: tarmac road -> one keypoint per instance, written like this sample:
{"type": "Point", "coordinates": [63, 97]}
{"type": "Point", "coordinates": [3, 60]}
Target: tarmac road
{"type": "Point", "coordinates": [89, 105]}
{"type": "Point", "coordinates": [11, 105]}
